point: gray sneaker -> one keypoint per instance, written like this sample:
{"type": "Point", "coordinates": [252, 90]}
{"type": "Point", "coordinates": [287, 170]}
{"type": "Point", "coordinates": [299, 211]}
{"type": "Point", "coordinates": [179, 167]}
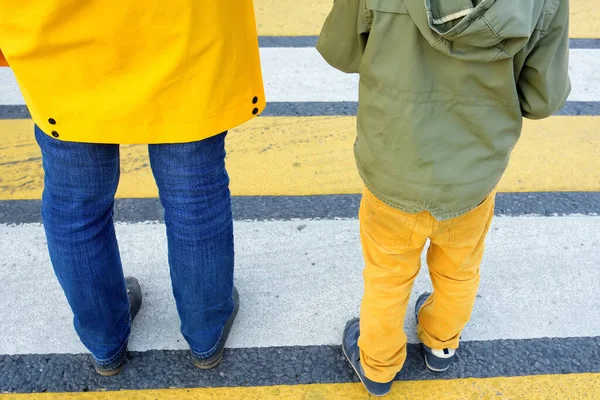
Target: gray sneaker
{"type": "Point", "coordinates": [435, 360]}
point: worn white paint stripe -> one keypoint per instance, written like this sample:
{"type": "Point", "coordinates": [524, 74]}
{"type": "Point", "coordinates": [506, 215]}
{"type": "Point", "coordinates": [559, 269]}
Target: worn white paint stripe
{"type": "Point", "coordinates": [10, 94]}
{"type": "Point", "coordinates": [300, 74]}
{"type": "Point", "coordinates": [298, 287]}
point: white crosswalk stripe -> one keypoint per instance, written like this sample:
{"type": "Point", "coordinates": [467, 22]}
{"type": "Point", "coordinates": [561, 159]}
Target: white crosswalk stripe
{"type": "Point", "coordinates": [299, 287]}
{"type": "Point", "coordinates": [300, 74]}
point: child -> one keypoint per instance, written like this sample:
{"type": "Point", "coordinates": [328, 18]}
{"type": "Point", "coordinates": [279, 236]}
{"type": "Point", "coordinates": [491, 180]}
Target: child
{"type": "Point", "coordinates": [444, 86]}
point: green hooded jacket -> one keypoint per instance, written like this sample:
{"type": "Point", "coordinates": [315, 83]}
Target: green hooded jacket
{"type": "Point", "coordinates": [444, 86]}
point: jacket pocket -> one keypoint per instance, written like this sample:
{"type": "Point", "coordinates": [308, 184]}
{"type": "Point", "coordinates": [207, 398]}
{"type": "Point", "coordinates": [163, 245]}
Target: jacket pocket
{"type": "Point", "coordinates": [389, 228]}
{"type": "Point", "coordinates": [389, 6]}
{"type": "Point", "coordinates": [344, 35]}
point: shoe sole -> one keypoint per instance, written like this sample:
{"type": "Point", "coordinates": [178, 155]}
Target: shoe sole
{"type": "Point", "coordinates": [113, 372]}
{"type": "Point", "coordinates": [211, 365]}
{"type": "Point", "coordinates": [355, 371]}
{"type": "Point", "coordinates": [429, 367]}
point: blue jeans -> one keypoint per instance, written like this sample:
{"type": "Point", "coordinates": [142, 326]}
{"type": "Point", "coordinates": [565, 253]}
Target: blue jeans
{"type": "Point", "coordinates": [77, 209]}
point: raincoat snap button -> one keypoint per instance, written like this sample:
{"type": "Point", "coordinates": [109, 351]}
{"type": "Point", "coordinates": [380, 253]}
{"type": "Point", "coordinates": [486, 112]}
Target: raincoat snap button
{"type": "Point", "coordinates": [55, 134]}
{"type": "Point", "coordinates": [52, 121]}
{"type": "Point", "coordinates": [255, 111]}
{"type": "Point", "coordinates": [255, 100]}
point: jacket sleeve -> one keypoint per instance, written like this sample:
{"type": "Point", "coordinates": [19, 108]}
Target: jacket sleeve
{"type": "Point", "coordinates": [344, 35]}
{"type": "Point", "coordinates": [3, 62]}
{"type": "Point", "coordinates": [544, 83]}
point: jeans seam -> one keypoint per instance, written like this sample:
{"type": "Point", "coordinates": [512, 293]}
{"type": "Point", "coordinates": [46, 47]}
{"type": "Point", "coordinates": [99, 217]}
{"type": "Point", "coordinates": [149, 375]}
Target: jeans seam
{"type": "Point", "coordinates": [114, 358]}
{"type": "Point", "coordinates": [211, 351]}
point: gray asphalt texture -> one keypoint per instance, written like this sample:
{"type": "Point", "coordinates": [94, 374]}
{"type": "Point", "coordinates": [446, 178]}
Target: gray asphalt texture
{"type": "Point", "coordinates": [319, 109]}
{"type": "Point", "coordinates": [266, 208]}
{"type": "Point", "coordinates": [291, 365]}
{"type": "Point", "coordinates": [311, 41]}
{"type": "Point", "coordinates": [349, 108]}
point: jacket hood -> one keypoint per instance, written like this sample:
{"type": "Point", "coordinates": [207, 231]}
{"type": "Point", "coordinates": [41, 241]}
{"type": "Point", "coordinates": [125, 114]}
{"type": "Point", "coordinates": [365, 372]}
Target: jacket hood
{"type": "Point", "coordinates": [477, 30]}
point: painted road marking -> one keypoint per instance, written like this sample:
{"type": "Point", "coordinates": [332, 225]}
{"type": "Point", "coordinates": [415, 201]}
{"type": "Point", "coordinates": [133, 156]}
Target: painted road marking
{"type": "Point", "coordinates": [331, 109]}
{"type": "Point", "coordinates": [556, 387]}
{"type": "Point", "coordinates": [536, 274]}
{"type": "Point", "coordinates": [313, 156]}
{"type": "Point", "coordinates": [335, 206]}
{"type": "Point", "coordinates": [328, 109]}
{"type": "Point", "coordinates": [301, 74]}
{"type": "Point", "coordinates": [163, 369]}
{"type": "Point", "coordinates": [311, 41]}
{"type": "Point", "coordinates": [305, 18]}
{"type": "Point", "coordinates": [295, 75]}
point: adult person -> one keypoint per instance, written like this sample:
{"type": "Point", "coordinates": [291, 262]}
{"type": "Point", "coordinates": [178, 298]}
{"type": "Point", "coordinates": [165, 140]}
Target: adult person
{"type": "Point", "coordinates": [174, 75]}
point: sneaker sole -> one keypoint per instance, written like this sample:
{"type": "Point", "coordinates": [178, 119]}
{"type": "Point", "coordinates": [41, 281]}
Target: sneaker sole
{"type": "Point", "coordinates": [355, 371]}
{"type": "Point", "coordinates": [429, 367]}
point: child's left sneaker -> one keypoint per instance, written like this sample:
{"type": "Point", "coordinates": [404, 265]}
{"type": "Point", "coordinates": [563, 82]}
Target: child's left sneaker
{"type": "Point", "coordinates": [352, 353]}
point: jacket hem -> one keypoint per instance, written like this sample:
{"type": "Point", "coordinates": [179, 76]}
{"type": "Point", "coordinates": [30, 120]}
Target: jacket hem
{"type": "Point", "coordinates": [195, 130]}
{"type": "Point", "coordinates": [412, 209]}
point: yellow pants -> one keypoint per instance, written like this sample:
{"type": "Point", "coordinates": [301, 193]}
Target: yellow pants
{"type": "Point", "coordinates": [393, 242]}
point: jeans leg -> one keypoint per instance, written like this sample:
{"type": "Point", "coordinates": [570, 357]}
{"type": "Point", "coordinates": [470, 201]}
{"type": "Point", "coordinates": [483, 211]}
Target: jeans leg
{"type": "Point", "coordinates": [77, 210]}
{"type": "Point", "coordinates": [194, 190]}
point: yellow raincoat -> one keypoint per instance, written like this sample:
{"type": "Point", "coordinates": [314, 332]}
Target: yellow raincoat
{"type": "Point", "coordinates": [124, 71]}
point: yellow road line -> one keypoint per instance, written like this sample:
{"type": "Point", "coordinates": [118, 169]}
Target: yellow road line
{"type": "Point", "coordinates": [313, 155]}
{"type": "Point", "coordinates": [555, 387]}
{"type": "Point", "coordinates": [305, 18]}
{"type": "Point", "coordinates": [585, 19]}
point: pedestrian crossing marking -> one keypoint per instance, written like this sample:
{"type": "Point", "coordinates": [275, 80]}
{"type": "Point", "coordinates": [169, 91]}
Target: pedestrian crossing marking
{"type": "Point", "coordinates": [273, 156]}
{"type": "Point", "coordinates": [305, 18]}
{"type": "Point", "coordinates": [555, 387]}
